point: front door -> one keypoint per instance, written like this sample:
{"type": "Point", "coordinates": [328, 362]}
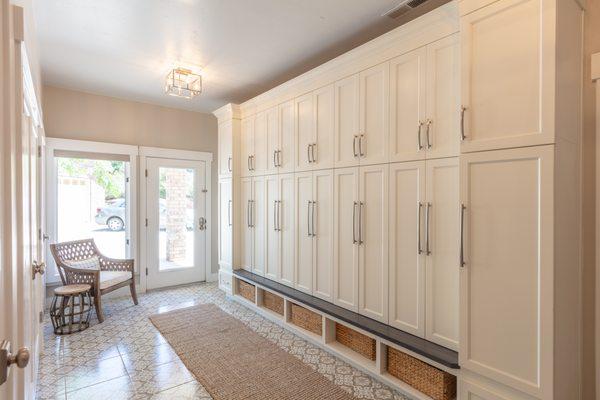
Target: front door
{"type": "Point", "coordinates": [176, 222]}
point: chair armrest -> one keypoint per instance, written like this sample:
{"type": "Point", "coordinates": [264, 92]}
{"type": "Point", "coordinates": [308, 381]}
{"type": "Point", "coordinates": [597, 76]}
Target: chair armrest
{"type": "Point", "coordinates": [113, 264]}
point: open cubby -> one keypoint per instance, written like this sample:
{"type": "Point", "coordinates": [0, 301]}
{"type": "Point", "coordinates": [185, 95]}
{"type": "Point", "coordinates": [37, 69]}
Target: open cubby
{"type": "Point", "coordinates": [246, 290]}
{"type": "Point", "coordinates": [306, 319]}
{"type": "Point", "coordinates": [356, 341]}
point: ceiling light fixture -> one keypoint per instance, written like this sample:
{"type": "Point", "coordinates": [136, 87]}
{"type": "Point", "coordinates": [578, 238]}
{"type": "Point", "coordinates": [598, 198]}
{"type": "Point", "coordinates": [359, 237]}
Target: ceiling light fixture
{"type": "Point", "coordinates": [182, 82]}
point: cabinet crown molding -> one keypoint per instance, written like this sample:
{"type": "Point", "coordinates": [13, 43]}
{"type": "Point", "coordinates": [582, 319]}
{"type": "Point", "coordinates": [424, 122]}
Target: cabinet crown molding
{"type": "Point", "coordinates": [227, 112]}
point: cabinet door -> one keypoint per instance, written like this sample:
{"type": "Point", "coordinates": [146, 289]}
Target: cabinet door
{"type": "Point", "coordinates": [442, 245]}
{"type": "Point", "coordinates": [225, 224]}
{"type": "Point", "coordinates": [322, 152]}
{"type": "Point", "coordinates": [304, 238]}
{"type": "Point", "coordinates": [246, 231]}
{"type": "Point", "coordinates": [507, 279]}
{"type": "Point", "coordinates": [225, 142]}
{"type": "Point", "coordinates": [442, 126]}
{"type": "Point", "coordinates": [286, 225]}
{"type": "Point", "coordinates": [287, 137]}
{"type": "Point", "coordinates": [272, 232]}
{"type": "Point", "coordinates": [259, 221]}
{"type": "Point", "coordinates": [346, 128]}
{"type": "Point", "coordinates": [260, 162]}
{"type": "Point", "coordinates": [407, 105]}
{"type": "Point", "coordinates": [508, 75]}
{"type": "Point", "coordinates": [468, 390]}
{"type": "Point", "coordinates": [305, 131]}
{"type": "Point", "coordinates": [374, 121]}
{"type": "Point", "coordinates": [247, 146]}
{"type": "Point", "coordinates": [345, 238]}
{"type": "Point", "coordinates": [373, 241]}
{"type": "Point", "coordinates": [407, 245]}
{"type": "Point", "coordinates": [322, 219]}
{"type": "Point", "coordinates": [272, 135]}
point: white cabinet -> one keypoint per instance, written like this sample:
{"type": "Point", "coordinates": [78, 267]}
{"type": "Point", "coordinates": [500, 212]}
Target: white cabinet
{"type": "Point", "coordinates": [346, 129]}
{"type": "Point", "coordinates": [259, 221]}
{"type": "Point", "coordinates": [272, 233]}
{"type": "Point", "coordinates": [260, 157]}
{"type": "Point", "coordinates": [287, 139]}
{"type": "Point", "coordinates": [506, 282]}
{"type": "Point", "coordinates": [305, 131]}
{"type": "Point", "coordinates": [247, 146]}
{"type": "Point", "coordinates": [373, 140]}
{"type": "Point", "coordinates": [225, 224]}
{"type": "Point", "coordinates": [225, 137]}
{"type": "Point", "coordinates": [272, 136]}
{"type": "Point", "coordinates": [246, 226]}
{"type": "Point", "coordinates": [304, 238]}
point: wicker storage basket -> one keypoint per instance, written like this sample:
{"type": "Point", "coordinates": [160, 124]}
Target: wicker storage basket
{"type": "Point", "coordinates": [246, 290]}
{"type": "Point", "coordinates": [356, 341]}
{"type": "Point", "coordinates": [273, 302]}
{"type": "Point", "coordinates": [306, 319]}
{"type": "Point", "coordinates": [435, 383]}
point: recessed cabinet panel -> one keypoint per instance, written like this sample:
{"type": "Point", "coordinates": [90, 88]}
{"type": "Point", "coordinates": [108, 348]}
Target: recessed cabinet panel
{"type": "Point", "coordinates": [346, 122]}
{"type": "Point", "coordinates": [272, 232]}
{"type": "Point", "coordinates": [373, 142]}
{"type": "Point", "coordinates": [225, 148]}
{"type": "Point", "coordinates": [286, 226]}
{"type": "Point", "coordinates": [246, 232]}
{"type": "Point", "coordinates": [323, 234]}
{"type": "Point", "coordinates": [407, 245]}
{"type": "Point", "coordinates": [259, 222]}
{"type": "Point", "coordinates": [247, 146]}
{"type": "Point", "coordinates": [272, 135]}
{"type": "Point", "coordinates": [508, 272]}
{"type": "Point", "coordinates": [261, 156]}
{"type": "Point", "coordinates": [305, 126]}
{"type": "Point", "coordinates": [304, 239]}
{"type": "Point", "coordinates": [225, 223]}
{"type": "Point", "coordinates": [286, 156]}
{"type": "Point", "coordinates": [322, 151]}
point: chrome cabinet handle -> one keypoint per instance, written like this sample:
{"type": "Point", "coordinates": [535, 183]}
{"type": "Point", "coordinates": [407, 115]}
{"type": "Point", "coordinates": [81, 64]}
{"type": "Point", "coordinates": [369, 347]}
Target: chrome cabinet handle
{"type": "Point", "coordinates": [229, 212]}
{"type": "Point", "coordinates": [360, 222]}
{"type": "Point", "coordinates": [274, 158]}
{"type": "Point", "coordinates": [419, 145]}
{"type": "Point", "coordinates": [249, 167]}
{"type": "Point", "coordinates": [229, 164]}
{"type": "Point", "coordinates": [419, 207]}
{"type": "Point", "coordinates": [427, 219]}
{"type": "Point", "coordinates": [462, 230]}
{"type": "Point", "coordinates": [463, 136]}
{"type": "Point", "coordinates": [308, 233]}
{"type": "Point", "coordinates": [275, 215]}
{"type": "Point", "coordinates": [252, 164]}
{"type": "Point", "coordinates": [429, 122]}
{"type": "Point", "coordinates": [279, 158]}
{"type": "Point", "coordinates": [360, 146]}
{"type": "Point", "coordinates": [279, 215]}
{"type": "Point", "coordinates": [314, 204]}
{"type": "Point", "coordinates": [354, 146]}
{"type": "Point", "coordinates": [314, 157]}
{"type": "Point", "coordinates": [354, 223]}
{"type": "Point", "coordinates": [308, 153]}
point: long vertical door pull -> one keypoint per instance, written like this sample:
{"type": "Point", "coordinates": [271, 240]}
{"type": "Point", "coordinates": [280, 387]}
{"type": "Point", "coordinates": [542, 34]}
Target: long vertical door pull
{"type": "Point", "coordinates": [308, 207]}
{"type": "Point", "coordinates": [462, 231]}
{"type": "Point", "coordinates": [354, 241]}
{"type": "Point", "coordinates": [314, 205]}
{"type": "Point", "coordinates": [427, 228]}
{"type": "Point", "coordinates": [419, 248]}
{"type": "Point", "coordinates": [360, 222]}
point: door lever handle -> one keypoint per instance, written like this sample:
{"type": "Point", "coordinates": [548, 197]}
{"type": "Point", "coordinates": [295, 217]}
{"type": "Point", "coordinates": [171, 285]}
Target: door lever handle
{"type": "Point", "coordinates": [37, 268]}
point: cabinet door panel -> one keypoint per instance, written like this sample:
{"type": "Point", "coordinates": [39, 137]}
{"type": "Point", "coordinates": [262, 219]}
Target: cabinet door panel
{"type": "Point", "coordinates": [225, 142]}
{"type": "Point", "coordinates": [286, 137]}
{"type": "Point", "coordinates": [259, 210]}
{"type": "Point", "coordinates": [247, 146]}
{"type": "Point", "coordinates": [407, 105]}
{"type": "Point", "coordinates": [374, 114]}
{"type": "Point", "coordinates": [246, 231]}
{"type": "Point", "coordinates": [507, 75]}
{"type": "Point", "coordinates": [373, 242]}
{"type": "Point", "coordinates": [443, 258]}
{"type": "Point", "coordinates": [261, 156]}
{"type": "Point", "coordinates": [345, 249]}
{"type": "Point", "coordinates": [272, 136]}
{"type": "Point", "coordinates": [323, 230]}
{"type": "Point", "coordinates": [287, 231]}
{"type": "Point", "coordinates": [304, 131]}
{"type": "Point", "coordinates": [304, 240]}
{"type": "Point", "coordinates": [507, 280]}
{"type": "Point", "coordinates": [225, 223]}
{"type": "Point", "coordinates": [346, 127]}
{"type": "Point", "coordinates": [407, 244]}
{"type": "Point", "coordinates": [272, 234]}
{"type": "Point", "coordinates": [442, 135]}
{"type": "Point", "coordinates": [324, 136]}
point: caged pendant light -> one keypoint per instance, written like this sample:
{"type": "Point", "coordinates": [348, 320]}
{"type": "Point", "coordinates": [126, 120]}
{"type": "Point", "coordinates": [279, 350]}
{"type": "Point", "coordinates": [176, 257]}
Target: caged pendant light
{"type": "Point", "coordinates": [183, 83]}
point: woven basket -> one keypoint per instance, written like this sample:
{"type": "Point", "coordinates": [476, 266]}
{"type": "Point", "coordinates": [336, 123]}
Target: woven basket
{"type": "Point", "coordinates": [435, 383]}
{"type": "Point", "coordinates": [306, 319]}
{"type": "Point", "coordinates": [246, 290]}
{"type": "Point", "coordinates": [356, 341]}
{"type": "Point", "coordinates": [273, 302]}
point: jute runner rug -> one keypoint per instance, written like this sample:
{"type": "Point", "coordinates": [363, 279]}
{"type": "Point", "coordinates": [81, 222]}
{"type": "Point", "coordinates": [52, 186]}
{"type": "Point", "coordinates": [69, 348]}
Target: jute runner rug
{"type": "Point", "coordinates": [233, 362]}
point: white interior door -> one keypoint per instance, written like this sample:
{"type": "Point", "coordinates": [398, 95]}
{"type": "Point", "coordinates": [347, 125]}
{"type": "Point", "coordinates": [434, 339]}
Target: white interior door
{"type": "Point", "coordinates": [176, 219]}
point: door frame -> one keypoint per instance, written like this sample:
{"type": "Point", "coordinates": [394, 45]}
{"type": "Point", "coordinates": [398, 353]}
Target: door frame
{"type": "Point", "coordinates": [156, 152]}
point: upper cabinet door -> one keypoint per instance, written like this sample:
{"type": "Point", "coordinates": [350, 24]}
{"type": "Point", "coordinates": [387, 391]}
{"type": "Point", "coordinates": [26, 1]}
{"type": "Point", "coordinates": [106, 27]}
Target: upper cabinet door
{"type": "Point", "coordinates": [247, 146]}
{"type": "Point", "coordinates": [374, 121]}
{"type": "Point", "coordinates": [225, 148]}
{"type": "Point", "coordinates": [272, 136]}
{"type": "Point", "coordinates": [407, 106]}
{"type": "Point", "coordinates": [346, 129]}
{"type": "Point", "coordinates": [260, 162]}
{"type": "Point", "coordinates": [322, 153]}
{"type": "Point", "coordinates": [305, 134]}
{"type": "Point", "coordinates": [441, 130]}
{"type": "Point", "coordinates": [272, 230]}
{"type": "Point", "coordinates": [507, 280]}
{"type": "Point", "coordinates": [304, 238]}
{"type": "Point", "coordinates": [322, 229]}
{"type": "Point", "coordinates": [247, 231]}
{"type": "Point", "coordinates": [286, 155]}
{"type": "Point", "coordinates": [442, 212]}
{"type": "Point", "coordinates": [507, 75]}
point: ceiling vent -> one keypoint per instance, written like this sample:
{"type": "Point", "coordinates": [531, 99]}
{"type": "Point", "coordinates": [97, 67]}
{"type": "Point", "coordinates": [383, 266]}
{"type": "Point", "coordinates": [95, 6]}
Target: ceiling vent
{"type": "Point", "coordinates": [402, 8]}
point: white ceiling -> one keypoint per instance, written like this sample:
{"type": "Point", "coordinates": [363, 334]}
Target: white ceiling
{"type": "Point", "coordinates": [124, 48]}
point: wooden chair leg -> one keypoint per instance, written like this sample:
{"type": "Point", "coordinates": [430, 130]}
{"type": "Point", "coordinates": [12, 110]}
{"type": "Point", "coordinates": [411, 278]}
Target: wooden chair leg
{"type": "Point", "coordinates": [98, 305]}
{"type": "Point", "coordinates": [133, 293]}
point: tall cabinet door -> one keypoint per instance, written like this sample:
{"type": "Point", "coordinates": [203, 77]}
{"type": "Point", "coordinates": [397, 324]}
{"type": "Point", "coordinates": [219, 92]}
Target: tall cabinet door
{"type": "Point", "coordinates": [322, 228]}
{"type": "Point", "coordinates": [346, 129]}
{"type": "Point", "coordinates": [506, 282]}
{"type": "Point", "coordinates": [272, 229]}
{"type": "Point", "coordinates": [345, 238]}
{"type": "Point", "coordinates": [374, 121]}
{"type": "Point", "coordinates": [322, 151]}
{"type": "Point", "coordinates": [442, 127]}
{"type": "Point", "coordinates": [373, 241]}
{"type": "Point", "coordinates": [246, 231]}
{"type": "Point", "coordinates": [225, 148]}
{"type": "Point", "coordinates": [260, 162]}
{"type": "Point", "coordinates": [287, 137]}
{"type": "Point", "coordinates": [305, 131]}
{"type": "Point", "coordinates": [247, 146]}
{"type": "Point", "coordinates": [504, 51]}
{"type": "Point", "coordinates": [407, 106]}
{"type": "Point", "coordinates": [272, 136]}
{"type": "Point", "coordinates": [442, 247]}
{"type": "Point", "coordinates": [304, 235]}
{"type": "Point", "coordinates": [259, 222]}
{"type": "Point", "coordinates": [286, 226]}
{"type": "Point", "coordinates": [407, 247]}
{"type": "Point", "coordinates": [225, 223]}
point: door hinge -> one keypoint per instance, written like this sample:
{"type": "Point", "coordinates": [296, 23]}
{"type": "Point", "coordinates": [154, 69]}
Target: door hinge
{"type": "Point", "coordinates": [41, 317]}
{"type": "Point", "coordinates": [146, 271]}
{"type": "Point", "coordinates": [146, 173]}
{"type": "Point", "coordinates": [39, 233]}
{"type": "Point", "coordinates": [146, 221]}
{"type": "Point", "coordinates": [127, 242]}
{"type": "Point", "coordinates": [39, 153]}
{"type": "Point", "coordinates": [127, 180]}
{"type": "Point", "coordinates": [204, 190]}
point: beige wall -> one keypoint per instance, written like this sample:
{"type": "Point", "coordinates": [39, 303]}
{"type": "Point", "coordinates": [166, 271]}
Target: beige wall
{"type": "Point", "coordinates": [70, 114]}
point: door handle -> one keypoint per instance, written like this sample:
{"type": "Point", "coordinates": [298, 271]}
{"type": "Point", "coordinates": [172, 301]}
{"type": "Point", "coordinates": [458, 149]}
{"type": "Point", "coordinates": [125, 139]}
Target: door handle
{"type": "Point", "coordinates": [229, 164]}
{"type": "Point", "coordinates": [279, 158]}
{"type": "Point", "coordinates": [360, 227]}
{"type": "Point", "coordinates": [419, 207]}
{"type": "Point", "coordinates": [275, 215]}
{"type": "Point", "coordinates": [314, 158]}
{"type": "Point", "coordinates": [308, 207]}
{"type": "Point", "coordinates": [279, 215]}
{"type": "Point", "coordinates": [230, 202]}
{"type": "Point", "coordinates": [308, 153]}
{"type": "Point", "coordinates": [37, 268]}
{"type": "Point", "coordinates": [249, 167]}
{"type": "Point", "coordinates": [354, 146]}
{"type": "Point", "coordinates": [248, 214]}
{"type": "Point", "coordinates": [21, 359]}
{"type": "Point", "coordinates": [360, 146]}
{"type": "Point", "coordinates": [427, 219]}
{"type": "Point", "coordinates": [419, 145]}
{"type": "Point", "coordinates": [252, 207]}
{"type": "Point", "coordinates": [463, 136]}
{"type": "Point", "coordinates": [462, 231]}
{"type": "Point", "coordinates": [252, 164]}
{"type": "Point", "coordinates": [314, 204]}
{"type": "Point", "coordinates": [429, 122]}
{"type": "Point", "coordinates": [354, 223]}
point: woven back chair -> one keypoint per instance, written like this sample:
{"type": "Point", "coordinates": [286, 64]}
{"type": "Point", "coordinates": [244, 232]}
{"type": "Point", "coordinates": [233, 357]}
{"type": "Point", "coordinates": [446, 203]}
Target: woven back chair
{"type": "Point", "coordinates": [80, 261]}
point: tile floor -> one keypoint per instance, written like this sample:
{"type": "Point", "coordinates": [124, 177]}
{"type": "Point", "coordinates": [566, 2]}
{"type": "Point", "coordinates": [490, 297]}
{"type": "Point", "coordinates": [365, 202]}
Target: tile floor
{"type": "Point", "coordinates": [127, 358]}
